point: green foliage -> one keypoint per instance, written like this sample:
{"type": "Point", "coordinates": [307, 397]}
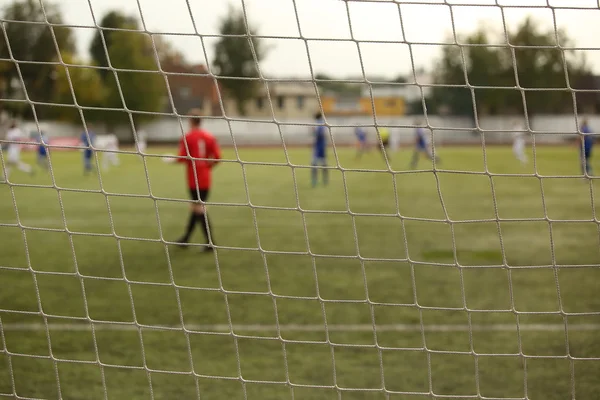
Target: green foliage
{"type": "Point", "coordinates": [491, 70]}
{"type": "Point", "coordinates": [141, 91]}
{"type": "Point", "coordinates": [32, 43]}
{"type": "Point", "coordinates": [79, 85]}
{"type": "Point", "coordinates": [114, 20]}
{"type": "Point", "coordinates": [132, 52]}
{"type": "Point", "coordinates": [451, 71]}
{"type": "Point", "coordinates": [237, 57]}
{"type": "Point", "coordinates": [545, 68]}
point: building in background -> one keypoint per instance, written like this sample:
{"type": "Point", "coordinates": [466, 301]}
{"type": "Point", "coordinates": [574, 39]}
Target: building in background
{"type": "Point", "coordinates": [191, 87]}
{"type": "Point", "coordinates": [281, 100]}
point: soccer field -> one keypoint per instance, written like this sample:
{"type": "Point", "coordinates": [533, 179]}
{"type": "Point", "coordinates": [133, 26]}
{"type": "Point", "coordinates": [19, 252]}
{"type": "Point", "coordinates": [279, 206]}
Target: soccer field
{"type": "Point", "coordinates": [404, 285]}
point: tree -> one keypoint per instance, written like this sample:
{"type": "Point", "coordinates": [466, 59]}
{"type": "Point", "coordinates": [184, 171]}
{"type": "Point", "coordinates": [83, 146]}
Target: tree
{"type": "Point", "coordinates": [588, 100]}
{"type": "Point", "coordinates": [543, 67]}
{"type": "Point", "coordinates": [451, 71]}
{"type": "Point", "coordinates": [141, 90]}
{"type": "Point", "coordinates": [133, 53]}
{"type": "Point", "coordinates": [88, 90]}
{"type": "Point", "coordinates": [35, 43]}
{"type": "Point", "coordinates": [112, 20]}
{"type": "Point", "coordinates": [238, 57]}
{"type": "Point", "coordinates": [491, 69]}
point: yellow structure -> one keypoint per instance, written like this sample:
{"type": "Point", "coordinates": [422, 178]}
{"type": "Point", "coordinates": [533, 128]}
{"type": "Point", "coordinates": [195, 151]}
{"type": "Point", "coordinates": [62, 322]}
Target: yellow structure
{"type": "Point", "coordinates": [385, 106]}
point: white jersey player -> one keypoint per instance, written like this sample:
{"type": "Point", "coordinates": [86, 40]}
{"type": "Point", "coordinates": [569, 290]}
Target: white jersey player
{"type": "Point", "coordinates": [110, 157]}
{"type": "Point", "coordinates": [142, 141]}
{"type": "Point", "coordinates": [519, 143]}
{"type": "Point", "coordinates": [13, 151]}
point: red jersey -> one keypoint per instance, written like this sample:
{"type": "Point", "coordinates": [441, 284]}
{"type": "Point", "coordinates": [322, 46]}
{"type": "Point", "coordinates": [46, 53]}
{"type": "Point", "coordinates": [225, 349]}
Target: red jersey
{"type": "Point", "coordinates": [202, 147]}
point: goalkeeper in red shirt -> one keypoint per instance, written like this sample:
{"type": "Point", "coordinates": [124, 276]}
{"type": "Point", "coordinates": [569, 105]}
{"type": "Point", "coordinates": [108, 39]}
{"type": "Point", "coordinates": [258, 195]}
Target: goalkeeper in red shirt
{"type": "Point", "coordinates": [200, 152]}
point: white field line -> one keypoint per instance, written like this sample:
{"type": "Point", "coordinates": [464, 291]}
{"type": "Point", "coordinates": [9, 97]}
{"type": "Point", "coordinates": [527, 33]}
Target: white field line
{"type": "Point", "coordinates": [307, 328]}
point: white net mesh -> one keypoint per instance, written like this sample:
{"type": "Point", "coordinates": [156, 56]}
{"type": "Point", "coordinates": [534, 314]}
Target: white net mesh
{"type": "Point", "coordinates": [433, 264]}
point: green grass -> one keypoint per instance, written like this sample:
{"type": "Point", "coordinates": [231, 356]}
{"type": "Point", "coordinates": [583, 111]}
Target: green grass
{"type": "Point", "coordinates": [432, 252]}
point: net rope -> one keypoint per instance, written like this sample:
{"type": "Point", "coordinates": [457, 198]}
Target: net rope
{"type": "Point", "coordinates": [241, 331]}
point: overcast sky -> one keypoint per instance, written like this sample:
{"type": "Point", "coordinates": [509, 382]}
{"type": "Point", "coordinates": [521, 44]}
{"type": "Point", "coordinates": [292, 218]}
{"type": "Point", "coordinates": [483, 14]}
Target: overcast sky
{"type": "Point", "coordinates": [329, 19]}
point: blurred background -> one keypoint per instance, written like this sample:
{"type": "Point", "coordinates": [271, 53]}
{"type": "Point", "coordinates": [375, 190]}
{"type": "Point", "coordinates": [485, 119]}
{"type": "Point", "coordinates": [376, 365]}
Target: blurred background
{"type": "Point", "coordinates": [475, 64]}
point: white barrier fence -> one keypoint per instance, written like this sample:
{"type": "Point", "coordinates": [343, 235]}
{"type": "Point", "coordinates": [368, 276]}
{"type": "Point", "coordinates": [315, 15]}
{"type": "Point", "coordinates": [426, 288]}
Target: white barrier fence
{"type": "Point", "coordinates": [446, 130]}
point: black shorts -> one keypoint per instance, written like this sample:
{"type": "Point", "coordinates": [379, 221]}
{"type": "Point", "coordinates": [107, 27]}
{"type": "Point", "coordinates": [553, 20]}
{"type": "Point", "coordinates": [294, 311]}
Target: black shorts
{"type": "Point", "coordinates": [203, 194]}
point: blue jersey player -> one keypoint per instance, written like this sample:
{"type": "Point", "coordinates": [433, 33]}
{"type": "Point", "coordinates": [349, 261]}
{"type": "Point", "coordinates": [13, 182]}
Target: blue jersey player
{"type": "Point", "coordinates": [87, 141]}
{"type": "Point", "coordinates": [319, 151]}
{"type": "Point", "coordinates": [361, 137]}
{"type": "Point", "coordinates": [42, 151]}
{"type": "Point", "coordinates": [421, 147]}
{"type": "Point", "coordinates": [586, 144]}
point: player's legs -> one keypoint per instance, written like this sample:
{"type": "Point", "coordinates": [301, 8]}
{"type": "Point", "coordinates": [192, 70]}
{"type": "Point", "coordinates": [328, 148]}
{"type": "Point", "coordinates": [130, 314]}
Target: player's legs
{"type": "Point", "coordinates": [362, 148]}
{"type": "Point", "coordinates": [429, 153]}
{"type": "Point", "coordinates": [24, 167]}
{"type": "Point", "coordinates": [195, 196]}
{"type": "Point", "coordinates": [325, 171]}
{"type": "Point", "coordinates": [197, 216]}
{"type": "Point", "coordinates": [383, 148]}
{"type": "Point", "coordinates": [522, 156]}
{"type": "Point", "coordinates": [319, 162]}
{"type": "Point", "coordinates": [314, 171]}
{"type": "Point", "coordinates": [519, 151]}
{"type": "Point", "coordinates": [42, 160]}
{"type": "Point", "coordinates": [15, 161]}
{"type": "Point", "coordinates": [588, 164]}
{"type": "Point", "coordinates": [202, 219]}
{"type": "Point", "coordinates": [415, 158]}
{"type": "Point", "coordinates": [112, 156]}
{"type": "Point", "coordinates": [109, 159]}
{"type": "Point", "coordinates": [8, 168]}
{"type": "Point", "coordinates": [87, 161]}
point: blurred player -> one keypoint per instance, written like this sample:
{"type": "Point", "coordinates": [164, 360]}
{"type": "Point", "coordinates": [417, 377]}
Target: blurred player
{"type": "Point", "coordinates": [13, 158]}
{"type": "Point", "coordinates": [361, 141]}
{"type": "Point", "coordinates": [586, 143]}
{"type": "Point", "coordinates": [200, 152]}
{"type": "Point", "coordinates": [319, 151]}
{"type": "Point", "coordinates": [110, 157]}
{"type": "Point", "coordinates": [519, 143]}
{"type": "Point", "coordinates": [421, 147]}
{"type": "Point", "coordinates": [87, 141]}
{"type": "Point", "coordinates": [384, 134]}
{"type": "Point", "coordinates": [42, 151]}
{"type": "Point", "coordinates": [142, 141]}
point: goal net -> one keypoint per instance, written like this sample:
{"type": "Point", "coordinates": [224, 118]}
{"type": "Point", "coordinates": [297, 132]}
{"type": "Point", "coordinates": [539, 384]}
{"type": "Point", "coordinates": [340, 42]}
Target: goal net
{"type": "Point", "coordinates": [404, 205]}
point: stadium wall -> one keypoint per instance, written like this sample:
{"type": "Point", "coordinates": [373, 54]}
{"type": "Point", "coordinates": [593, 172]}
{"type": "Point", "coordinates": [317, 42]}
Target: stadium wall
{"type": "Point", "coordinates": [446, 130]}
{"type": "Point", "coordinates": [551, 129]}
